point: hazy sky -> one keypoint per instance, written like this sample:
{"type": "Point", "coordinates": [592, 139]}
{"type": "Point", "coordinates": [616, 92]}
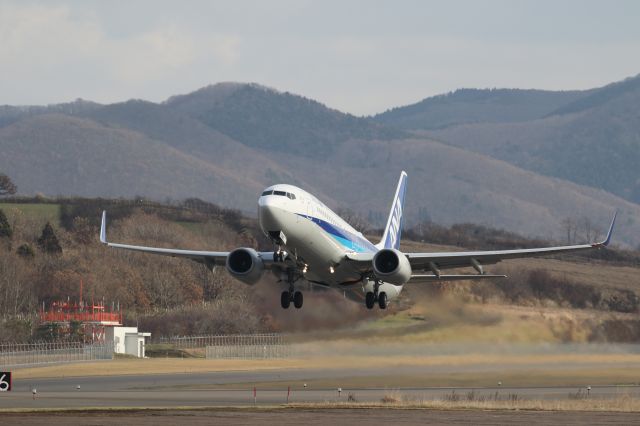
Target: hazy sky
{"type": "Point", "coordinates": [357, 56]}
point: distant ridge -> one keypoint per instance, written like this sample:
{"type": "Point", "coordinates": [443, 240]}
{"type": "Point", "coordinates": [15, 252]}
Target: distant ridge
{"type": "Point", "coordinates": [592, 141]}
{"type": "Point", "coordinates": [264, 118]}
{"type": "Point", "coordinates": [599, 97]}
{"type": "Point", "coordinates": [478, 105]}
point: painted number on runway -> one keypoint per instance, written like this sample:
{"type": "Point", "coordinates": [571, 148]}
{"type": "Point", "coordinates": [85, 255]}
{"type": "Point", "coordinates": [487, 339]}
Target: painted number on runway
{"type": "Point", "coordinates": [5, 381]}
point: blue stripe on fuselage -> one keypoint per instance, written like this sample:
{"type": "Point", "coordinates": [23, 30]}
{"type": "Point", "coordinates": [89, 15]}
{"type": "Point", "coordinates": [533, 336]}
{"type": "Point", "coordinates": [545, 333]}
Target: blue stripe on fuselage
{"type": "Point", "coordinates": [346, 239]}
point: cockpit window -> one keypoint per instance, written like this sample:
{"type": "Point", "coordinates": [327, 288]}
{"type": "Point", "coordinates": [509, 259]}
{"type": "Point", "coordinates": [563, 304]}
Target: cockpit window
{"type": "Point", "coordinates": [289, 195]}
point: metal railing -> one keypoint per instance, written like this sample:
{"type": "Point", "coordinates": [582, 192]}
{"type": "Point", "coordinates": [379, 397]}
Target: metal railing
{"type": "Point", "coordinates": [234, 346]}
{"type": "Point", "coordinates": [192, 342]}
{"type": "Point", "coordinates": [257, 346]}
{"type": "Point", "coordinates": [53, 352]}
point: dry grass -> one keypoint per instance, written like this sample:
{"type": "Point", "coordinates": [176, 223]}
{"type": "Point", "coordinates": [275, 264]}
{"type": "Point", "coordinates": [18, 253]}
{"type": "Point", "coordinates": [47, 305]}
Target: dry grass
{"type": "Point", "coordinates": [394, 401]}
{"type": "Point", "coordinates": [514, 325]}
{"type": "Point", "coordinates": [619, 404]}
{"type": "Point", "coordinates": [473, 400]}
{"type": "Point", "coordinates": [392, 397]}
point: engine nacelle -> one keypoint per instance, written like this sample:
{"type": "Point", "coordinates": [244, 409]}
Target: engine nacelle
{"type": "Point", "coordinates": [245, 265]}
{"type": "Point", "coordinates": [391, 266]}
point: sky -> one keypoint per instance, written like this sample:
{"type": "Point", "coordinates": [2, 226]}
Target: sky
{"type": "Point", "coordinates": [361, 57]}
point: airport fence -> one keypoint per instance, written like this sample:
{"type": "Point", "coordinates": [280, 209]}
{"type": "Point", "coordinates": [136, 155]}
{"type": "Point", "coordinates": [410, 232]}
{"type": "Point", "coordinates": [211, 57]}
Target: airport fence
{"type": "Point", "coordinates": [268, 345]}
{"type": "Point", "coordinates": [53, 352]}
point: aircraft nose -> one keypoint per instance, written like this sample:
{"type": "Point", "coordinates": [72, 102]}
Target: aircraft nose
{"type": "Point", "coordinates": [268, 214]}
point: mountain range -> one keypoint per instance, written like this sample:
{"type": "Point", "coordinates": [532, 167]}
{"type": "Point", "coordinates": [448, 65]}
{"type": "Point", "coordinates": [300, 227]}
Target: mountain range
{"type": "Point", "coordinates": [590, 137]}
{"type": "Point", "coordinates": [522, 160]}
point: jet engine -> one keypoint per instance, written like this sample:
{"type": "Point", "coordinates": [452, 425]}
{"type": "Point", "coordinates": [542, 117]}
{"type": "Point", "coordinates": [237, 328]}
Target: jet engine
{"type": "Point", "coordinates": [391, 266]}
{"type": "Point", "coordinates": [244, 264]}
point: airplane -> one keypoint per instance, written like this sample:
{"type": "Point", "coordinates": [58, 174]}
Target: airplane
{"type": "Point", "coordinates": [314, 245]}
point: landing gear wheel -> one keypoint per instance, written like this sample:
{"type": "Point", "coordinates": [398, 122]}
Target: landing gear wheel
{"type": "Point", "coordinates": [297, 299]}
{"type": "Point", "coordinates": [382, 300]}
{"type": "Point", "coordinates": [370, 300]}
{"type": "Point", "coordinates": [285, 299]}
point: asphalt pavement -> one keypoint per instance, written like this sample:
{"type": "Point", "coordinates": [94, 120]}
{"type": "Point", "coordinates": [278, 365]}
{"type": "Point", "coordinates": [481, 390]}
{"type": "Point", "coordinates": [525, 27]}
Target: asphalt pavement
{"type": "Point", "coordinates": [236, 388]}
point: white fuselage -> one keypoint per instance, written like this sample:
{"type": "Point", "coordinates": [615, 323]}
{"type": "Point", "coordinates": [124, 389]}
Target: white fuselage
{"type": "Point", "coordinates": [316, 237]}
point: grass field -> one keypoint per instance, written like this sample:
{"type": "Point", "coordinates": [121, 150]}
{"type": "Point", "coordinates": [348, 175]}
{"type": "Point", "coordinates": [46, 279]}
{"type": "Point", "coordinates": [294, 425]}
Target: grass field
{"type": "Point", "coordinates": [40, 212]}
{"type": "Point", "coordinates": [395, 400]}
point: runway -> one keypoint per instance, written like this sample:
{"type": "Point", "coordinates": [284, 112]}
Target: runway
{"type": "Point", "coordinates": [235, 388]}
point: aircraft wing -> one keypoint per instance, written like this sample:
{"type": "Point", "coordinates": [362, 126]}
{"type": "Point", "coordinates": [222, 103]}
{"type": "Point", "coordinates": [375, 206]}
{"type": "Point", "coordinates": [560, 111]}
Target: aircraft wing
{"type": "Point", "coordinates": [430, 278]}
{"type": "Point", "coordinates": [208, 258]}
{"type": "Point", "coordinates": [435, 262]}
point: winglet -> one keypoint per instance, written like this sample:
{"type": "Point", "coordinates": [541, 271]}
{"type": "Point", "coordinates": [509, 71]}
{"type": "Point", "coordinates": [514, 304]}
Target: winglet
{"type": "Point", "coordinates": [606, 242]}
{"type": "Point", "coordinates": [103, 228]}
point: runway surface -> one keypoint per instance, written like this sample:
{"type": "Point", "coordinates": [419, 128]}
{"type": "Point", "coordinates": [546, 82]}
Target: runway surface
{"type": "Point", "coordinates": [351, 417]}
{"type": "Point", "coordinates": [236, 388]}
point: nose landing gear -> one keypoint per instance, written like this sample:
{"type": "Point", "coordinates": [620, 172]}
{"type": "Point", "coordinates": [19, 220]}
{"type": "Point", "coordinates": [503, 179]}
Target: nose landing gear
{"type": "Point", "coordinates": [279, 255]}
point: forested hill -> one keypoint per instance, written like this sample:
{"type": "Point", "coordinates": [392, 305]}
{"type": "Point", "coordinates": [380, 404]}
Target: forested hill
{"type": "Point", "coordinates": [478, 106]}
{"type": "Point", "coordinates": [593, 141]}
{"type": "Point", "coordinates": [263, 118]}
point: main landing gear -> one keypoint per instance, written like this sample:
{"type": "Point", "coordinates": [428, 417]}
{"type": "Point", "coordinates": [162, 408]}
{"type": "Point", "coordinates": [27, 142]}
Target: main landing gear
{"type": "Point", "coordinates": [374, 296]}
{"type": "Point", "coordinates": [291, 295]}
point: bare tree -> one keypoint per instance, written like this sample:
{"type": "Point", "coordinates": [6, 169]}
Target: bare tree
{"type": "Point", "coordinates": [571, 227]}
{"type": "Point", "coordinates": [7, 187]}
{"type": "Point", "coordinates": [587, 228]}
{"type": "Point", "coordinates": [354, 219]}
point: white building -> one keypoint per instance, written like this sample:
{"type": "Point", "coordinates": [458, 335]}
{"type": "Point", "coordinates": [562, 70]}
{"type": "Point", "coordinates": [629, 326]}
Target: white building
{"type": "Point", "coordinates": [126, 340]}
